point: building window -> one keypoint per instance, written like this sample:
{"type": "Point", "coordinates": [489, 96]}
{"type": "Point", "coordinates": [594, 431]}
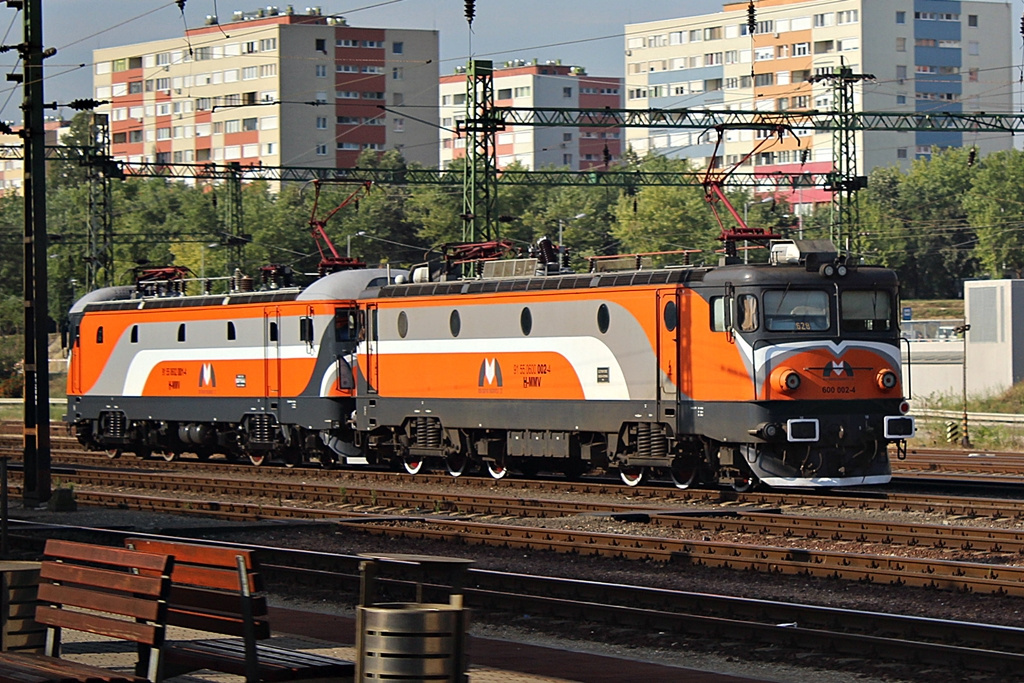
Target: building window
{"type": "Point", "coordinates": [901, 153]}
{"type": "Point", "coordinates": [399, 125]}
{"type": "Point", "coordinates": [901, 17]}
{"type": "Point", "coordinates": [321, 70]}
{"type": "Point", "coordinates": [321, 45]}
{"type": "Point", "coordinates": [847, 17]}
{"type": "Point", "coordinates": [973, 48]}
{"type": "Point", "coordinates": [232, 126]}
{"type": "Point", "coordinates": [566, 92]}
{"type": "Point", "coordinates": [901, 45]}
{"type": "Point", "coordinates": [321, 122]}
{"type": "Point", "coordinates": [397, 73]}
{"type": "Point", "coordinates": [249, 124]}
{"type": "Point", "coordinates": [801, 49]}
{"type": "Point", "coordinates": [321, 150]}
{"type": "Point", "coordinates": [567, 160]}
{"type": "Point", "coordinates": [901, 71]}
{"type": "Point", "coordinates": [823, 20]}
{"type": "Point", "coordinates": [397, 48]}
{"type": "Point", "coordinates": [901, 99]}
{"type": "Point", "coordinates": [972, 74]}
{"type": "Point", "coordinates": [267, 44]}
{"type": "Point", "coordinates": [762, 80]}
{"type": "Point", "coordinates": [972, 20]}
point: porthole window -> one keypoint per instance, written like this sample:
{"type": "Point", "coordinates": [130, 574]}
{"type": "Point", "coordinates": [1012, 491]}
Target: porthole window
{"type": "Point", "coordinates": [671, 316]}
{"type": "Point", "coordinates": [603, 318]}
{"type": "Point", "coordinates": [455, 323]}
{"type": "Point", "coordinates": [403, 324]}
{"type": "Point", "coordinates": [526, 321]}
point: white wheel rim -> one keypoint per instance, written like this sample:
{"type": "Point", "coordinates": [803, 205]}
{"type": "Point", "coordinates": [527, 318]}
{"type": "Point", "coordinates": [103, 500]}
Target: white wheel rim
{"type": "Point", "coordinates": [412, 466]}
{"type": "Point", "coordinates": [169, 456]}
{"type": "Point", "coordinates": [631, 476]}
{"type": "Point", "coordinates": [114, 453]}
{"type": "Point", "coordinates": [496, 471]}
{"type": "Point", "coordinates": [683, 478]}
{"type": "Point", "coordinates": [257, 460]}
{"type": "Point", "coordinates": [456, 465]}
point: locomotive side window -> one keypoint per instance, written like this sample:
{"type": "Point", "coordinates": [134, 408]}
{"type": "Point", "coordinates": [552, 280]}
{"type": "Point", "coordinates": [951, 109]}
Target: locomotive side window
{"type": "Point", "coordinates": [403, 324]}
{"type": "Point", "coordinates": [603, 318]}
{"type": "Point", "coordinates": [273, 332]}
{"type": "Point", "coordinates": [796, 311]}
{"type": "Point", "coordinates": [746, 312]}
{"type": "Point", "coordinates": [135, 334]}
{"type": "Point", "coordinates": [99, 334]}
{"type": "Point", "coordinates": [181, 332]}
{"type": "Point", "coordinates": [866, 311]}
{"type": "Point", "coordinates": [718, 321]}
{"type": "Point", "coordinates": [526, 321]}
{"type": "Point", "coordinates": [455, 323]}
{"type": "Point", "coordinates": [671, 316]}
{"type": "Point", "coordinates": [231, 331]}
{"type": "Point", "coordinates": [346, 325]}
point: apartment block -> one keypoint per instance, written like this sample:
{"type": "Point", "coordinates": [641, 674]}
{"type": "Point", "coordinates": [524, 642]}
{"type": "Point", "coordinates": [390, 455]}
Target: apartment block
{"type": "Point", "coordinates": [924, 56]}
{"type": "Point", "coordinates": [272, 87]}
{"type": "Point", "coordinates": [12, 164]}
{"type": "Point", "coordinates": [531, 84]}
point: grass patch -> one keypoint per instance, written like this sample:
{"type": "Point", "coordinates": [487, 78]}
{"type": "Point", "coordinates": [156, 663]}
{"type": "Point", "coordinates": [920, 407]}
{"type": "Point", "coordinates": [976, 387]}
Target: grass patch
{"type": "Point", "coordinates": [931, 309]}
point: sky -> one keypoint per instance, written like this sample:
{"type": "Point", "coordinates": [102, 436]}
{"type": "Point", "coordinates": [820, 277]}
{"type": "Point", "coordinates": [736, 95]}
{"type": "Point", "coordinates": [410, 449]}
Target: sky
{"type": "Point", "coordinates": [584, 33]}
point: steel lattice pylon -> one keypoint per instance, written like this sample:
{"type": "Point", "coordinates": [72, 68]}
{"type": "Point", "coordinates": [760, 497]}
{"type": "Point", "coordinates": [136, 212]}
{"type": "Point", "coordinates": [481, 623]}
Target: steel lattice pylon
{"type": "Point", "coordinates": [480, 183]}
{"type": "Point", "coordinates": [99, 271]}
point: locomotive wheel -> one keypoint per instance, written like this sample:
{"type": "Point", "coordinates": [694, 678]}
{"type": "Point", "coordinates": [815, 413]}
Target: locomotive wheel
{"type": "Point", "coordinates": [683, 475]}
{"type": "Point", "coordinates": [633, 476]}
{"type": "Point", "coordinates": [169, 456]}
{"type": "Point", "coordinates": [745, 484]}
{"type": "Point", "coordinates": [328, 461]}
{"type": "Point", "coordinates": [456, 464]}
{"type": "Point", "coordinates": [113, 453]}
{"type": "Point", "coordinates": [497, 470]}
{"type": "Point", "coordinates": [257, 459]}
{"type": "Point", "coordinates": [412, 464]}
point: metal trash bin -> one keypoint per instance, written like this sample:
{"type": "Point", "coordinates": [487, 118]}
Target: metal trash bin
{"type": "Point", "coordinates": [402, 642]}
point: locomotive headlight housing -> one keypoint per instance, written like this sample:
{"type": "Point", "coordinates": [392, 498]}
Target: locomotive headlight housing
{"type": "Point", "coordinates": [886, 380]}
{"type": "Point", "coordinates": [786, 380]}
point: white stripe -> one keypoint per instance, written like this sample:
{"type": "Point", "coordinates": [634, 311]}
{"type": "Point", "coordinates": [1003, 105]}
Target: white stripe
{"type": "Point", "coordinates": [584, 354]}
{"type": "Point", "coordinates": [818, 482]}
{"type": "Point", "coordinates": [144, 362]}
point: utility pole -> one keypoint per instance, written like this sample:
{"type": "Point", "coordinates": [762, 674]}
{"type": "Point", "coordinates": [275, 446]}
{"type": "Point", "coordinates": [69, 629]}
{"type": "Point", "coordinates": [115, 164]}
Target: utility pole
{"type": "Point", "coordinates": [480, 188]}
{"type": "Point", "coordinates": [37, 370]}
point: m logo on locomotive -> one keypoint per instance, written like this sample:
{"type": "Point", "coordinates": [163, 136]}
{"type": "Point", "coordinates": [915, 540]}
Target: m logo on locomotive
{"type": "Point", "coordinates": [490, 373]}
{"type": "Point", "coordinates": [207, 378]}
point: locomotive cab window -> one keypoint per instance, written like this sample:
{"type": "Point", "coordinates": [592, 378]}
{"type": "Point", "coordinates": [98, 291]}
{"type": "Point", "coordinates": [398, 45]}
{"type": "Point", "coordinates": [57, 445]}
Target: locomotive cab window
{"type": "Point", "coordinates": [796, 310]}
{"type": "Point", "coordinates": [719, 323]}
{"type": "Point", "coordinates": [231, 331]}
{"type": "Point", "coordinates": [99, 334]}
{"type": "Point", "coordinates": [181, 332]}
{"type": "Point", "coordinates": [346, 324]}
{"type": "Point", "coordinates": [746, 313]}
{"type": "Point", "coordinates": [866, 311]}
{"type": "Point", "coordinates": [135, 334]}
{"type": "Point", "coordinates": [306, 330]}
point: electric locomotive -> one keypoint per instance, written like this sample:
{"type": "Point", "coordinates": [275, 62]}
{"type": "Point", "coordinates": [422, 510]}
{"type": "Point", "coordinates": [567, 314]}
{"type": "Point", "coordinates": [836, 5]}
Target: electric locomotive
{"type": "Point", "coordinates": [786, 373]}
{"type": "Point", "coordinates": [257, 374]}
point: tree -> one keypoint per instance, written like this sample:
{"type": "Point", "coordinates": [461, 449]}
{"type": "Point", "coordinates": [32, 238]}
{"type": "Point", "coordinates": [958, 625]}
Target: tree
{"type": "Point", "coordinates": [995, 205]}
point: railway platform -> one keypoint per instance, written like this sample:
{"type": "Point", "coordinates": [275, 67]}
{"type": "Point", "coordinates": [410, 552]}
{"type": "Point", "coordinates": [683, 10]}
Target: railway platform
{"type": "Point", "coordinates": [491, 661]}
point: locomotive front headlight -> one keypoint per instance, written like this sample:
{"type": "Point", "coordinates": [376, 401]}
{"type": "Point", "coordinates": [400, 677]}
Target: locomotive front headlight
{"type": "Point", "coordinates": [786, 380]}
{"type": "Point", "coordinates": [886, 380]}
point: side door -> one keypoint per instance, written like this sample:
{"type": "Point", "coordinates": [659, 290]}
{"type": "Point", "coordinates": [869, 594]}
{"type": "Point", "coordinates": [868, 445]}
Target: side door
{"type": "Point", "coordinates": [667, 321]}
{"type": "Point", "coordinates": [372, 371]}
{"type": "Point", "coordinates": [272, 352]}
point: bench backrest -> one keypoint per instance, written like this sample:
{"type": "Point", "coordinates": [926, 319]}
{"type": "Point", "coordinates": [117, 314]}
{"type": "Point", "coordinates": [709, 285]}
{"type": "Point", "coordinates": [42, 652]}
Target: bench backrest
{"type": "Point", "coordinates": [106, 591]}
{"type": "Point", "coordinates": [206, 588]}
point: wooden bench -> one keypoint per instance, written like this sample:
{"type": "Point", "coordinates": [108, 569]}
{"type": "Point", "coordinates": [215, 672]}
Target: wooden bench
{"type": "Point", "coordinates": [220, 590]}
{"type": "Point", "coordinates": [106, 591]}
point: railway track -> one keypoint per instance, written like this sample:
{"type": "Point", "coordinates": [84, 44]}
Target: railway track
{"type": "Point", "coordinates": [908, 641]}
{"type": "Point", "coordinates": [492, 521]}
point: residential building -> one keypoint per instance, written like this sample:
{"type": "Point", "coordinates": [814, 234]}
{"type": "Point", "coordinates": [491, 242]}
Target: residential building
{"type": "Point", "coordinates": [924, 56]}
{"type": "Point", "coordinates": [531, 84]}
{"type": "Point", "coordinates": [12, 164]}
{"type": "Point", "coordinates": [272, 87]}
